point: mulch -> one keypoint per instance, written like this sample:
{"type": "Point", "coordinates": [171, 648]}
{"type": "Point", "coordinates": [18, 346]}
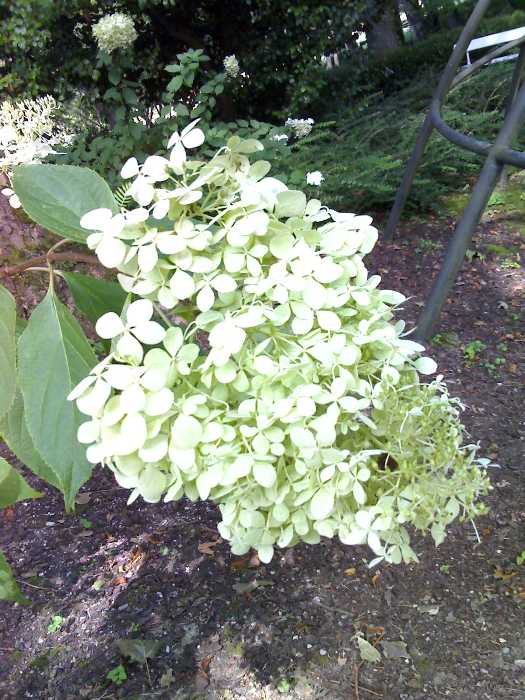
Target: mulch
{"type": "Point", "coordinates": [210, 625]}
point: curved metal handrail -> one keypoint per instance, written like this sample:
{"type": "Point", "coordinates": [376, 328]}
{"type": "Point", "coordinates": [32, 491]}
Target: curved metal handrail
{"type": "Point", "coordinates": [497, 155]}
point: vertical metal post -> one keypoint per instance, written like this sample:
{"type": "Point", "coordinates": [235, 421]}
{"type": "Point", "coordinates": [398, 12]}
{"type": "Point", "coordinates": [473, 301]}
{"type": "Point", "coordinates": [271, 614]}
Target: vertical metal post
{"type": "Point", "coordinates": [426, 130]}
{"type": "Point", "coordinates": [463, 234]}
{"type": "Point", "coordinates": [514, 87]}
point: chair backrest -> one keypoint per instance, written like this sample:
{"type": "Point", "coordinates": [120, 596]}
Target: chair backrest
{"type": "Point", "coordinates": [495, 39]}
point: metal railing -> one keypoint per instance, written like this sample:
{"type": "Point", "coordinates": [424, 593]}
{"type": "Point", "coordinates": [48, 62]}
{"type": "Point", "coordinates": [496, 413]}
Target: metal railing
{"type": "Point", "coordinates": [497, 155]}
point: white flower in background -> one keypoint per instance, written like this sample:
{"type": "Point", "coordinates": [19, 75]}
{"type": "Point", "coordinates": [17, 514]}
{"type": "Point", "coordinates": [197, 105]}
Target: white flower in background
{"type": "Point", "coordinates": [28, 131]}
{"type": "Point", "coordinates": [115, 31]}
{"type": "Point", "coordinates": [13, 198]}
{"type": "Point", "coordinates": [189, 137]}
{"type": "Point", "coordinates": [301, 127]}
{"type": "Point", "coordinates": [279, 137]}
{"type": "Point", "coordinates": [315, 178]}
{"type": "Point", "coordinates": [231, 66]}
{"type": "Point", "coordinates": [137, 327]}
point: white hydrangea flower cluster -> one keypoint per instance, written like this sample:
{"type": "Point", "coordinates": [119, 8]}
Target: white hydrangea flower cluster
{"type": "Point", "coordinates": [231, 66]}
{"type": "Point", "coordinates": [300, 127]}
{"type": "Point", "coordinates": [29, 129]}
{"type": "Point", "coordinates": [260, 365]}
{"type": "Point", "coordinates": [115, 31]}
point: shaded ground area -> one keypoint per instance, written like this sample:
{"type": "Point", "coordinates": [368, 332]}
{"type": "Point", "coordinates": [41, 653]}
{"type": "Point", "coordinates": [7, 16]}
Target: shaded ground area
{"type": "Point", "coordinates": [219, 627]}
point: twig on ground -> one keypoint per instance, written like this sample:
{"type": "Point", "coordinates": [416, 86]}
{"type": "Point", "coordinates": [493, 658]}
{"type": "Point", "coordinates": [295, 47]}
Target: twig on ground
{"type": "Point", "coordinates": [332, 609]}
{"type": "Point", "coordinates": [356, 680]}
{"type": "Point", "coordinates": [32, 585]}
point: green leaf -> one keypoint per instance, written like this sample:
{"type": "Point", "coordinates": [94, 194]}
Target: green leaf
{"type": "Point", "coordinates": [54, 355]}
{"type": "Point", "coordinates": [174, 84]}
{"type": "Point", "coordinates": [94, 297]}
{"type": "Point", "coordinates": [13, 486]}
{"type": "Point", "coordinates": [57, 196]}
{"type": "Point", "coordinates": [8, 588]}
{"type": "Point", "coordinates": [182, 110]}
{"type": "Point", "coordinates": [117, 675]}
{"type": "Point", "coordinates": [21, 323]}
{"type": "Point", "coordinates": [55, 624]}
{"type": "Point", "coordinates": [114, 75]}
{"type": "Point", "coordinates": [7, 350]}
{"type": "Point", "coordinates": [13, 430]}
{"type": "Point", "coordinates": [130, 96]}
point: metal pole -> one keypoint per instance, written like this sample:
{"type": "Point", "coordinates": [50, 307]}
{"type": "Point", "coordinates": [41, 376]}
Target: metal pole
{"type": "Point", "coordinates": [514, 87]}
{"type": "Point", "coordinates": [463, 234]}
{"type": "Point", "coordinates": [426, 130]}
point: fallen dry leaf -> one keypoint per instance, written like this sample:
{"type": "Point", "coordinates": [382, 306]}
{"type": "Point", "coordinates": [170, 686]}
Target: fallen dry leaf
{"type": "Point", "coordinates": [83, 498]}
{"type": "Point", "coordinates": [503, 575]}
{"type": "Point", "coordinates": [350, 572]}
{"type": "Point", "coordinates": [207, 547]}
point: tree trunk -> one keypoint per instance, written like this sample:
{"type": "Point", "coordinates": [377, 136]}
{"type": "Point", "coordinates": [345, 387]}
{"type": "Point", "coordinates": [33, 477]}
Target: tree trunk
{"type": "Point", "coordinates": [385, 33]}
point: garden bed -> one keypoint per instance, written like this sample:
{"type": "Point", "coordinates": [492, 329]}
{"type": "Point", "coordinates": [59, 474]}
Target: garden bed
{"type": "Point", "coordinates": [227, 628]}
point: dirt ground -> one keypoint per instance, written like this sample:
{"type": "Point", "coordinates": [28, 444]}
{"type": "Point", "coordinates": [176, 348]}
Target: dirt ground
{"type": "Point", "coordinates": [211, 626]}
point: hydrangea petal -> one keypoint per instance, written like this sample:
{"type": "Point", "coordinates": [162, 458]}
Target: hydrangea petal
{"type": "Point", "coordinates": [109, 325]}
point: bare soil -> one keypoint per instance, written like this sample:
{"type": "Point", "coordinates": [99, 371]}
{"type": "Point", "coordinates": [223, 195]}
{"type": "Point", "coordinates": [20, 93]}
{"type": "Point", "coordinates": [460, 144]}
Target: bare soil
{"type": "Point", "coordinates": [220, 627]}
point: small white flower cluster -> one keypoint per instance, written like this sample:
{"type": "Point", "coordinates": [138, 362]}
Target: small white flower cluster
{"type": "Point", "coordinates": [231, 66]}
{"type": "Point", "coordinates": [315, 178]}
{"type": "Point", "coordinates": [282, 389]}
{"type": "Point", "coordinates": [28, 131]}
{"type": "Point", "coordinates": [300, 127]}
{"type": "Point", "coordinates": [115, 31]}
{"type": "Point", "coordinates": [279, 137]}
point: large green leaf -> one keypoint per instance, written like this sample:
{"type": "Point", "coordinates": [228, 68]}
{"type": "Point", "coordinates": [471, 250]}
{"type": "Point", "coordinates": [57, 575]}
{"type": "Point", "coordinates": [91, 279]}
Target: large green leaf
{"type": "Point", "coordinates": [53, 356]}
{"type": "Point", "coordinates": [57, 196]}
{"type": "Point", "coordinates": [7, 350]}
{"type": "Point", "coordinates": [93, 296]}
{"type": "Point", "coordinates": [13, 430]}
{"type": "Point", "coordinates": [8, 588]}
{"type": "Point", "coordinates": [13, 486]}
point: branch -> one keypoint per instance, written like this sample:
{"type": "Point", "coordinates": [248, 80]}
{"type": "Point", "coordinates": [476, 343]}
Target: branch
{"type": "Point", "coordinates": [50, 257]}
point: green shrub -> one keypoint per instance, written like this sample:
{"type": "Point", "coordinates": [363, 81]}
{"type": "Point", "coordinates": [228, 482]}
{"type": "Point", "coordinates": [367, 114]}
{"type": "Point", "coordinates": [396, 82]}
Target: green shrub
{"type": "Point", "coordinates": [374, 140]}
{"type": "Point", "coordinates": [420, 62]}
